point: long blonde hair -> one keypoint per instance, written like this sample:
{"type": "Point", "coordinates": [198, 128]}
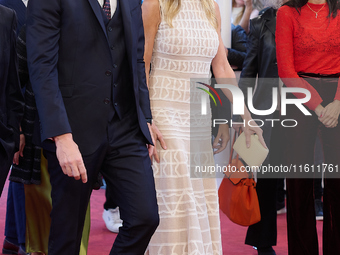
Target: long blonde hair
{"type": "Point", "coordinates": [170, 8]}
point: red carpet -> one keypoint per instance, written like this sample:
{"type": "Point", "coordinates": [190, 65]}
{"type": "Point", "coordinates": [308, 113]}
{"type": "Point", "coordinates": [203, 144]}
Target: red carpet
{"type": "Point", "coordinates": [101, 239]}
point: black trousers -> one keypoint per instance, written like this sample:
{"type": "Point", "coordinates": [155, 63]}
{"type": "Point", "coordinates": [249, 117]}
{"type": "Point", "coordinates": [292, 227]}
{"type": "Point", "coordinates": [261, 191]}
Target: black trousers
{"type": "Point", "coordinates": [109, 202]}
{"type": "Point", "coordinates": [15, 226]}
{"type": "Point", "coordinates": [6, 156]}
{"type": "Point", "coordinates": [298, 148]}
{"type": "Point", "coordinates": [264, 233]}
{"type": "Point", "coordinates": [125, 164]}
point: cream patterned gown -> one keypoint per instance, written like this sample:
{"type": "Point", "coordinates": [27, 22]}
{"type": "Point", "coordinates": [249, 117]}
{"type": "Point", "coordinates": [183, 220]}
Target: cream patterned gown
{"type": "Point", "coordinates": [188, 207]}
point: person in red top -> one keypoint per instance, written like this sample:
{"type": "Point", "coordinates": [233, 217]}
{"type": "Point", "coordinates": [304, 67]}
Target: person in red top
{"type": "Point", "coordinates": [308, 56]}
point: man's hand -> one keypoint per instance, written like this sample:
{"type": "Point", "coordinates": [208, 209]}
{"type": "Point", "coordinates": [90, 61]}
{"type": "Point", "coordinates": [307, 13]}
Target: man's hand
{"type": "Point", "coordinates": [330, 114]}
{"type": "Point", "coordinates": [21, 149]}
{"type": "Point", "coordinates": [155, 135]}
{"type": "Point", "coordinates": [69, 157]}
{"type": "Point", "coordinates": [222, 138]}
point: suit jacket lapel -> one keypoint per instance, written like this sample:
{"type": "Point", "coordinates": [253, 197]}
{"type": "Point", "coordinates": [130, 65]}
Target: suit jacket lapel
{"type": "Point", "coordinates": [98, 12]}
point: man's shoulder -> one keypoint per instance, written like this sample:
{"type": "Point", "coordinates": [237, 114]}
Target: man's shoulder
{"type": "Point", "coordinates": [7, 15]}
{"type": "Point", "coordinates": [6, 12]}
{"type": "Point", "coordinates": [133, 4]}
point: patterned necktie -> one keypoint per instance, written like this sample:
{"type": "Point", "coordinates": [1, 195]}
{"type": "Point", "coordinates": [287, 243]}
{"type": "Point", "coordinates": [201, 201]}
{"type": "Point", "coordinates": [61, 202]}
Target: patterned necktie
{"type": "Point", "coordinates": [107, 9]}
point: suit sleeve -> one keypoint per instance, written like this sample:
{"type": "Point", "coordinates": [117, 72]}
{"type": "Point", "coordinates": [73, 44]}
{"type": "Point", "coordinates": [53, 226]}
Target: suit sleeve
{"type": "Point", "coordinates": [15, 102]}
{"type": "Point", "coordinates": [43, 33]}
{"type": "Point", "coordinates": [22, 57]}
{"type": "Point", "coordinates": [144, 99]}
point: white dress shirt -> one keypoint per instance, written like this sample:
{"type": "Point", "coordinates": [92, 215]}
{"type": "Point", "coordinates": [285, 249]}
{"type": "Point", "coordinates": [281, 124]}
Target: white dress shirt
{"type": "Point", "coordinates": [113, 5]}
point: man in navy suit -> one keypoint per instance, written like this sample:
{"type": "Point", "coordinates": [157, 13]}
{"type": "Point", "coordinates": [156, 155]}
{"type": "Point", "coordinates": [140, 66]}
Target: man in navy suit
{"type": "Point", "coordinates": [11, 99]}
{"type": "Point", "coordinates": [15, 225]}
{"type": "Point", "coordinates": [87, 71]}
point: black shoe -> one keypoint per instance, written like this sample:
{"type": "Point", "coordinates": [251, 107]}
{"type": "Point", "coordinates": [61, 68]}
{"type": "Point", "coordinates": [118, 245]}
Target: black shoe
{"type": "Point", "coordinates": [318, 209]}
{"type": "Point", "coordinates": [9, 248]}
{"type": "Point", "coordinates": [280, 207]}
{"type": "Point", "coordinates": [266, 251]}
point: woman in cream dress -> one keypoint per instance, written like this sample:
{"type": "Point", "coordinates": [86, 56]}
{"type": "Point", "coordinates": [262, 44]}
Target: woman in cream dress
{"type": "Point", "coordinates": [182, 41]}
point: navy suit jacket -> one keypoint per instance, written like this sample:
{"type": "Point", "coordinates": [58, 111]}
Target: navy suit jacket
{"type": "Point", "coordinates": [68, 58]}
{"type": "Point", "coordinates": [11, 98]}
{"type": "Point", "coordinates": [19, 7]}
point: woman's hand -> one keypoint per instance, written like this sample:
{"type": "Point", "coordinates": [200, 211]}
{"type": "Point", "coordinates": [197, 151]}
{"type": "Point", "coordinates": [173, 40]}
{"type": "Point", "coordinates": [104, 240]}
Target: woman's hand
{"type": "Point", "coordinates": [250, 128]}
{"type": "Point", "coordinates": [21, 149]}
{"type": "Point", "coordinates": [318, 110]}
{"type": "Point", "coordinates": [248, 4]}
{"type": "Point", "coordinates": [330, 114]}
{"type": "Point", "coordinates": [222, 138]}
{"type": "Point", "coordinates": [155, 135]}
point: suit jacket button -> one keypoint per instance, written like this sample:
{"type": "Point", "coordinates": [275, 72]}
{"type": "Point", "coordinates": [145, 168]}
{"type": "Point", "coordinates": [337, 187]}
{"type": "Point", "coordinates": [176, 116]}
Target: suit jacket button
{"type": "Point", "coordinates": [112, 47]}
{"type": "Point", "coordinates": [110, 29]}
{"type": "Point", "coordinates": [108, 73]}
{"type": "Point", "coordinates": [116, 104]}
{"type": "Point", "coordinates": [106, 101]}
{"type": "Point", "coordinates": [114, 66]}
{"type": "Point", "coordinates": [115, 84]}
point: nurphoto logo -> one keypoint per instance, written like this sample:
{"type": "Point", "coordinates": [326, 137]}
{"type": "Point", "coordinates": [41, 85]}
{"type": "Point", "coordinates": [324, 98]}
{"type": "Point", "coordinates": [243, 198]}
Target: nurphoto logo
{"type": "Point", "coordinates": [239, 101]}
